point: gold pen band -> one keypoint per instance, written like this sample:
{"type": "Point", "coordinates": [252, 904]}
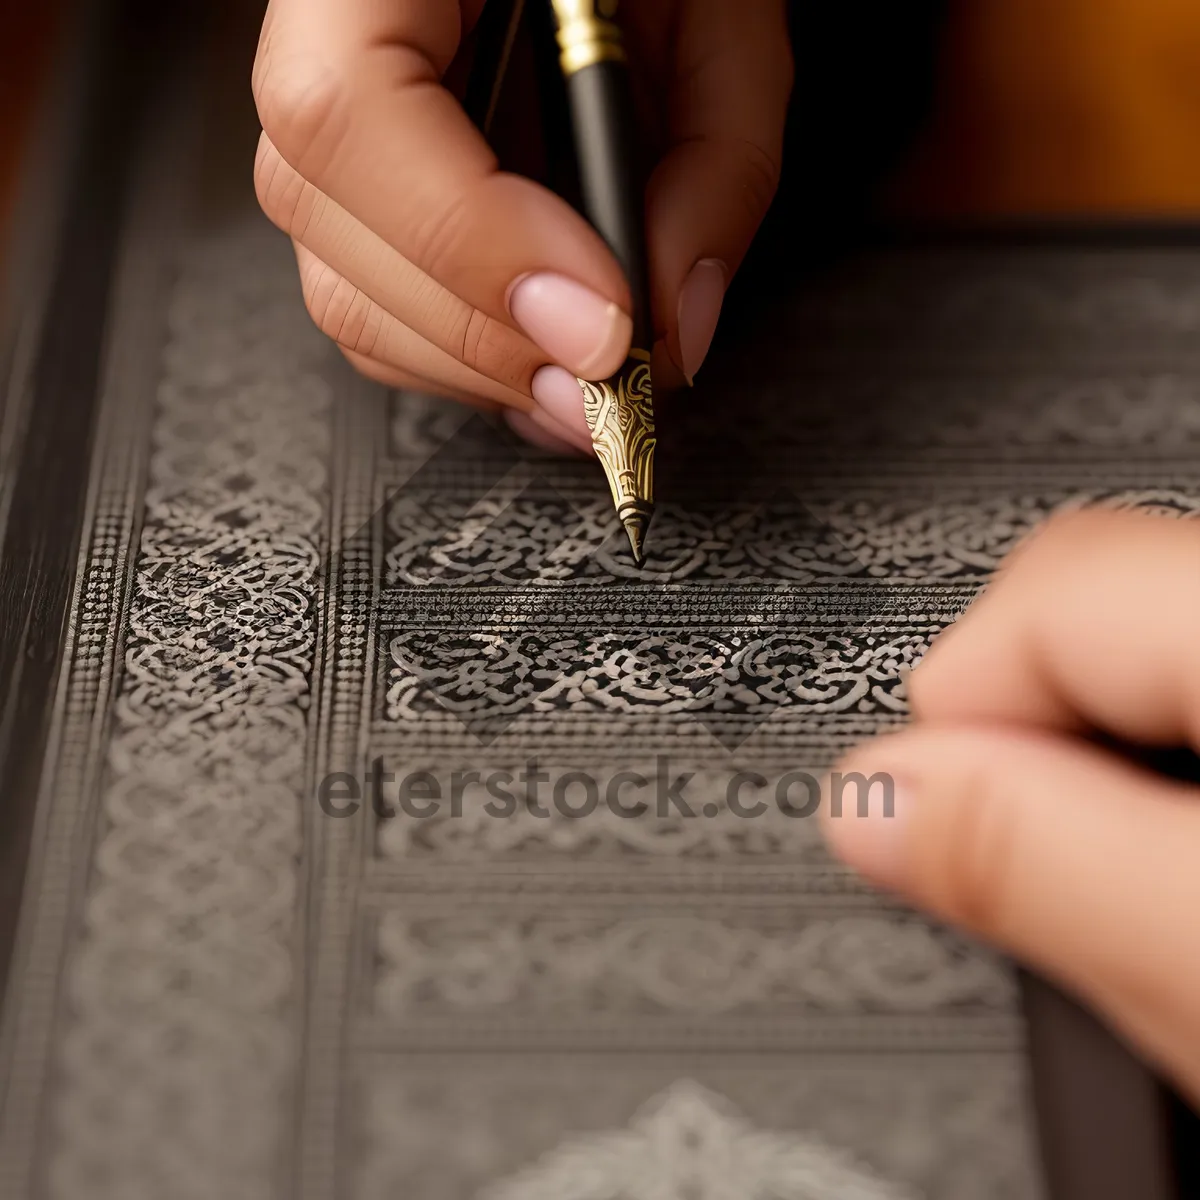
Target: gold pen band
{"type": "Point", "coordinates": [584, 38]}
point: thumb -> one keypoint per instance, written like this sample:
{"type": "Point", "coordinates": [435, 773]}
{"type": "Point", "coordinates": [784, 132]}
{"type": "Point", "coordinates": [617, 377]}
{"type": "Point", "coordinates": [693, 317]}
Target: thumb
{"type": "Point", "coordinates": [1067, 857]}
{"type": "Point", "coordinates": [731, 77]}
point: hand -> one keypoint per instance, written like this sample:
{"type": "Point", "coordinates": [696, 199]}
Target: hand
{"type": "Point", "coordinates": [433, 269]}
{"type": "Point", "coordinates": [1008, 823]}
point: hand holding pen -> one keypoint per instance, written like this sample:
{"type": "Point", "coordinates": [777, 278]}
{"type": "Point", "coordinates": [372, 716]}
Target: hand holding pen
{"type": "Point", "coordinates": [433, 269]}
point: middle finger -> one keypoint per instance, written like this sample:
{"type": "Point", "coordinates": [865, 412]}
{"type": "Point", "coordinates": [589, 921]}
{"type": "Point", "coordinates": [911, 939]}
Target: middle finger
{"type": "Point", "coordinates": [367, 262]}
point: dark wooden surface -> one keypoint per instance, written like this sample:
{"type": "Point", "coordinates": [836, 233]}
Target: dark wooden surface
{"type": "Point", "coordinates": [40, 538]}
{"type": "Point", "coordinates": [1103, 1118]}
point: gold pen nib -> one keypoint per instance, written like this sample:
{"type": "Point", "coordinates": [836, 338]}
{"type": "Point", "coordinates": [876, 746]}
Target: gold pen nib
{"type": "Point", "coordinates": [620, 415]}
{"type": "Point", "coordinates": [636, 522]}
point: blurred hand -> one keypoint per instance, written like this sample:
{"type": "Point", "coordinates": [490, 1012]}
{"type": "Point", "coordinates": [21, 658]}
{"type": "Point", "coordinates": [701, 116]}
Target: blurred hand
{"type": "Point", "coordinates": [433, 269]}
{"type": "Point", "coordinates": [1010, 824]}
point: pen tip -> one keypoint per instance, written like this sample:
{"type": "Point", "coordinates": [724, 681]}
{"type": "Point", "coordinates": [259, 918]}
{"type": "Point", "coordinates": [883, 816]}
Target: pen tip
{"type": "Point", "coordinates": [635, 529]}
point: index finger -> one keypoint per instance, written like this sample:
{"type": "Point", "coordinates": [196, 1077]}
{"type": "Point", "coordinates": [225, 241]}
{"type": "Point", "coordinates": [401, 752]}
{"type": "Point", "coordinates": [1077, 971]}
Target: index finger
{"type": "Point", "coordinates": [1091, 626]}
{"type": "Point", "coordinates": [349, 93]}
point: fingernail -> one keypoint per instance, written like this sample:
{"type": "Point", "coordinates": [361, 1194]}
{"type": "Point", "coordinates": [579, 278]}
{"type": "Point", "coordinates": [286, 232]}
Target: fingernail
{"type": "Point", "coordinates": [536, 434]}
{"type": "Point", "coordinates": [868, 837]}
{"type": "Point", "coordinates": [560, 398]}
{"type": "Point", "coordinates": [582, 331]}
{"type": "Point", "coordinates": [700, 301]}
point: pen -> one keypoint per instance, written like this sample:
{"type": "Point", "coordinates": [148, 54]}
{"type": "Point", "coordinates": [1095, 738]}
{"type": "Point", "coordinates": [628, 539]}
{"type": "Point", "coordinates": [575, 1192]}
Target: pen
{"type": "Point", "coordinates": [619, 410]}
{"type": "Point", "coordinates": [594, 146]}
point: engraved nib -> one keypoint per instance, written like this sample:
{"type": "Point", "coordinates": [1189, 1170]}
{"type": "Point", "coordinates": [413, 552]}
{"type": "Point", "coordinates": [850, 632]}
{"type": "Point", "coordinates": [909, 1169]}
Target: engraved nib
{"type": "Point", "coordinates": [620, 415]}
{"type": "Point", "coordinates": [636, 522]}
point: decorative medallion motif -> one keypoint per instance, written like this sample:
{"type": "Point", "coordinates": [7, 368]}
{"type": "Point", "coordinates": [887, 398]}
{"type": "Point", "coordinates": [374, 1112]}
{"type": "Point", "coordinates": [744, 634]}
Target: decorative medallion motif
{"type": "Point", "coordinates": [690, 1144]}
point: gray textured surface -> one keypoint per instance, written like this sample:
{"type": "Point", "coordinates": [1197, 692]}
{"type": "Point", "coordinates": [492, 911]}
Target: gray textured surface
{"type": "Point", "coordinates": [221, 992]}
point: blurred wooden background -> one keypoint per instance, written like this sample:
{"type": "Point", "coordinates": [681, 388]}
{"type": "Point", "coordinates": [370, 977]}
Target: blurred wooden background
{"type": "Point", "coordinates": [1052, 107]}
{"type": "Point", "coordinates": [1045, 107]}
{"type": "Point", "coordinates": [27, 35]}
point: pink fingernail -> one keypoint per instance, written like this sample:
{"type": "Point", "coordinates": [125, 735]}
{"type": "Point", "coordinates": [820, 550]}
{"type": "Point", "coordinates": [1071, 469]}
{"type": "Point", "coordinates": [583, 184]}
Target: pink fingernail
{"type": "Point", "coordinates": [700, 301]}
{"type": "Point", "coordinates": [559, 396]}
{"type": "Point", "coordinates": [537, 434]}
{"type": "Point", "coordinates": [582, 331]}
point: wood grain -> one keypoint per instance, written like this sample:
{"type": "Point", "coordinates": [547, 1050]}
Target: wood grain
{"type": "Point", "coordinates": [41, 535]}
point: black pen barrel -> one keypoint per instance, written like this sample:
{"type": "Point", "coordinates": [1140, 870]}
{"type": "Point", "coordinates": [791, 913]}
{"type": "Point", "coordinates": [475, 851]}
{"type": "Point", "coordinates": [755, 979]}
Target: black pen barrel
{"type": "Point", "coordinates": [613, 194]}
{"type": "Point", "coordinates": [600, 97]}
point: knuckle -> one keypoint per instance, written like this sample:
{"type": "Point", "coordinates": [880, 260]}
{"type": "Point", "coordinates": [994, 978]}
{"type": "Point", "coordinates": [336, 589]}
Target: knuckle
{"type": "Point", "coordinates": [371, 332]}
{"type": "Point", "coordinates": [359, 323]}
{"type": "Point", "coordinates": [275, 184]}
{"type": "Point", "coordinates": [264, 54]}
{"type": "Point", "coordinates": [330, 300]}
{"type": "Point", "coordinates": [473, 337]}
{"type": "Point", "coordinates": [302, 108]}
{"type": "Point", "coordinates": [316, 282]}
{"type": "Point", "coordinates": [266, 166]}
{"type": "Point", "coordinates": [491, 348]}
{"type": "Point", "coordinates": [760, 180]}
{"type": "Point", "coordinates": [347, 318]}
